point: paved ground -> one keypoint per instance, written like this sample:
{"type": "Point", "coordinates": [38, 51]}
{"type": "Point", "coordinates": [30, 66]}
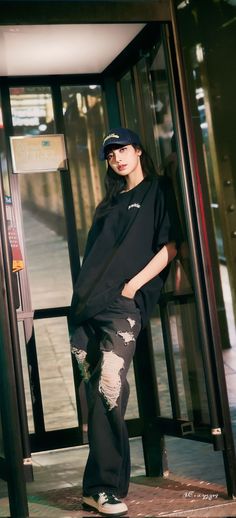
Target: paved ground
{"type": "Point", "coordinates": [150, 497]}
{"type": "Point", "coordinates": [196, 484]}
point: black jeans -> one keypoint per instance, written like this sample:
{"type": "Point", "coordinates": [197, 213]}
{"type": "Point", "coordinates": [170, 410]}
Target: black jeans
{"type": "Point", "coordinates": [104, 347]}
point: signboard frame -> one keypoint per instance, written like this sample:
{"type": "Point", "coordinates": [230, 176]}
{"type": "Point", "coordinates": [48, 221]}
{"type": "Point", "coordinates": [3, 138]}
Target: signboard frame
{"type": "Point", "coordinates": [38, 153]}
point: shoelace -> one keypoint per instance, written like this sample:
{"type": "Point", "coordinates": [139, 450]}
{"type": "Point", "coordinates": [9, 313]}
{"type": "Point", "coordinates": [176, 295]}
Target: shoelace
{"type": "Point", "coordinates": [108, 498]}
{"type": "Point", "coordinates": [104, 496]}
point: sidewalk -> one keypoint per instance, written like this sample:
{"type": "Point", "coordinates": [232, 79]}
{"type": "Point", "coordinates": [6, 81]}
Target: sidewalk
{"type": "Point", "coordinates": [56, 492]}
{"type": "Point", "coordinates": [172, 498]}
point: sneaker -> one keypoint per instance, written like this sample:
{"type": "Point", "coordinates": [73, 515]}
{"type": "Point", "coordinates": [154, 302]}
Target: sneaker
{"type": "Point", "coordinates": [105, 504]}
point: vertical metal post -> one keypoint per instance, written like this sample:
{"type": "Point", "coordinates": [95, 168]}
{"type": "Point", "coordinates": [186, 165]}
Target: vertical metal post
{"type": "Point", "coordinates": [11, 306]}
{"type": "Point", "coordinates": [28, 323]}
{"type": "Point", "coordinates": [67, 192]}
{"type": "Point", "coordinates": [9, 400]}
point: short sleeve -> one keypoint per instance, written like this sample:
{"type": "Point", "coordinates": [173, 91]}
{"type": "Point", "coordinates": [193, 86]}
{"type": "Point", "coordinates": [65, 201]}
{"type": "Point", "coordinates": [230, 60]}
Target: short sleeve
{"type": "Point", "coordinates": [167, 221]}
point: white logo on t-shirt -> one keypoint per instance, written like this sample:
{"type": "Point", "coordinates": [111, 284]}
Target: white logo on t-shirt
{"type": "Point", "coordinates": [133, 205]}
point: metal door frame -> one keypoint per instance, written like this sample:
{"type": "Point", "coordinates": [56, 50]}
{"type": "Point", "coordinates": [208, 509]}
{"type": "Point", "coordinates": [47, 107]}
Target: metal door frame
{"type": "Point", "coordinates": [221, 428]}
{"type": "Point", "coordinates": [11, 459]}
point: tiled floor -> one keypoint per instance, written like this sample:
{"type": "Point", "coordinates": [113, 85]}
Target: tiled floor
{"type": "Point", "coordinates": [196, 484]}
{"type": "Point", "coordinates": [150, 497]}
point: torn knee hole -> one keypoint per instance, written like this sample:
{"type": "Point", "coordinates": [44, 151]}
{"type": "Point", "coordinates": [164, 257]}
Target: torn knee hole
{"type": "Point", "coordinates": [110, 382]}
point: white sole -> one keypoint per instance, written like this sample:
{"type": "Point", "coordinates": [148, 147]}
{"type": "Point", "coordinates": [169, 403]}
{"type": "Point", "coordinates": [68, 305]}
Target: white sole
{"type": "Point", "coordinates": [87, 504]}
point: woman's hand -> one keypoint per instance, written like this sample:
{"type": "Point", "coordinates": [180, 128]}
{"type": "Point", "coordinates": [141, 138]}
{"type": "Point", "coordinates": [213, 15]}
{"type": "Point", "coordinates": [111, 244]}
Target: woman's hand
{"type": "Point", "coordinates": [128, 291]}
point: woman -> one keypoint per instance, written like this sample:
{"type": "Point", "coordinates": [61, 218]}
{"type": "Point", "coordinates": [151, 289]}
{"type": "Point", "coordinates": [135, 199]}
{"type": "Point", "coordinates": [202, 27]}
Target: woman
{"type": "Point", "coordinates": [132, 240]}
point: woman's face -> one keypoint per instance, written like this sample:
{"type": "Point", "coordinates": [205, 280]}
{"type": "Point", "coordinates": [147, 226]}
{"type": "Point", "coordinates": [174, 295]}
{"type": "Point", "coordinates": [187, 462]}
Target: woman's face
{"type": "Point", "coordinates": [125, 160]}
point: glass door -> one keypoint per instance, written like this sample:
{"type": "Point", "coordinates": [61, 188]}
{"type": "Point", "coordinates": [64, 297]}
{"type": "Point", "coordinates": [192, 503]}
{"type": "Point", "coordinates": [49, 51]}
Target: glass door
{"type": "Point", "coordinates": [187, 387]}
{"type": "Point", "coordinates": [53, 211]}
{"type": "Point", "coordinates": [178, 362]}
{"type": "Point", "coordinates": [45, 283]}
{"type": "Point", "coordinates": [180, 387]}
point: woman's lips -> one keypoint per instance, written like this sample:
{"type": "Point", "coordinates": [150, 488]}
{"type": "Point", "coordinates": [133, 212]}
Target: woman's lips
{"type": "Point", "coordinates": [121, 167]}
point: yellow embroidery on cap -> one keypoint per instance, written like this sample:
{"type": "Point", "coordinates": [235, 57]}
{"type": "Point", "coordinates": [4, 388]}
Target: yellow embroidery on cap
{"type": "Point", "coordinates": [112, 135]}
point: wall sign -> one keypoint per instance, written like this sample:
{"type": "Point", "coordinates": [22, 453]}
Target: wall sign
{"type": "Point", "coordinates": [38, 153]}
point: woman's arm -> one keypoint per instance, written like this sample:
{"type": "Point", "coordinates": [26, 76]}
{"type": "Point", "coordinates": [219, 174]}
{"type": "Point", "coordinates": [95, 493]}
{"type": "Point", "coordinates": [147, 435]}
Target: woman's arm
{"type": "Point", "coordinates": [153, 268]}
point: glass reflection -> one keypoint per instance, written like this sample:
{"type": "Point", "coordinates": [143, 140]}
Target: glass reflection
{"type": "Point", "coordinates": [132, 408]}
{"type": "Point", "coordinates": [58, 391]}
{"type": "Point", "coordinates": [45, 240]}
{"type": "Point", "coordinates": [154, 90]}
{"type": "Point", "coordinates": [188, 362]}
{"type": "Point", "coordinates": [129, 102]}
{"type": "Point", "coordinates": [160, 366]}
{"type": "Point", "coordinates": [209, 60]}
{"type": "Point", "coordinates": [84, 131]}
{"type": "Point", "coordinates": [32, 110]}
{"type": "Point", "coordinates": [26, 378]}
{"type": "Point", "coordinates": [42, 206]}
{"type": "Point", "coordinates": [172, 336]}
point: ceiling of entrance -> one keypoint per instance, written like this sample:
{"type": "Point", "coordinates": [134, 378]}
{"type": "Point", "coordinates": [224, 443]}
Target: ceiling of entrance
{"type": "Point", "coordinates": [62, 49]}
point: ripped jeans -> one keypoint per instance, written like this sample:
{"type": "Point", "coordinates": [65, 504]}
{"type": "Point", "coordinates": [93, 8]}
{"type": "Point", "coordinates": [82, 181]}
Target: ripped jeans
{"type": "Point", "coordinates": [104, 347]}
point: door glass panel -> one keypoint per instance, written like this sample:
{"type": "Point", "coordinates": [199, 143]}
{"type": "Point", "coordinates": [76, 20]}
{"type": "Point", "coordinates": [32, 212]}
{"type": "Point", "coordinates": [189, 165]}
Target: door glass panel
{"type": "Point", "coordinates": [177, 352]}
{"type": "Point", "coordinates": [180, 359]}
{"type": "Point", "coordinates": [188, 362]}
{"type": "Point", "coordinates": [152, 138]}
{"type": "Point", "coordinates": [57, 387]}
{"type": "Point", "coordinates": [129, 107]}
{"type": "Point", "coordinates": [160, 365]}
{"type": "Point", "coordinates": [32, 111]}
{"type": "Point", "coordinates": [183, 343]}
{"type": "Point", "coordinates": [132, 407]}
{"type": "Point", "coordinates": [45, 240]}
{"type": "Point", "coordinates": [25, 369]}
{"type": "Point", "coordinates": [42, 206]}
{"type": "Point", "coordinates": [84, 131]}
{"type": "Point", "coordinates": [209, 65]}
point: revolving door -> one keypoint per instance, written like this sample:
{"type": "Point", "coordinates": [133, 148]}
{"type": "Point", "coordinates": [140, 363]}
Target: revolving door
{"type": "Point", "coordinates": [177, 379]}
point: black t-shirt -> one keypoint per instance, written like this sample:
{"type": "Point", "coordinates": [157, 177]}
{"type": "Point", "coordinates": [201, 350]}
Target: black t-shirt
{"type": "Point", "coordinates": [121, 242]}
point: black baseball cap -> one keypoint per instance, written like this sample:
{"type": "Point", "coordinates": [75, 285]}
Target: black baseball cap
{"type": "Point", "coordinates": [120, 137]}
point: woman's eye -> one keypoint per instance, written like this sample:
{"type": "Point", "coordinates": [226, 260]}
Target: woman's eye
{"type": "Point", "coordinates": [122, 149]}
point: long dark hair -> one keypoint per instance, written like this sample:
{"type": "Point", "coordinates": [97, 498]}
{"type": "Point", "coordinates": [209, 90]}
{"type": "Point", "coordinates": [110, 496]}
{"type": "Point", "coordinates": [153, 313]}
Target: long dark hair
{"type": "Point", "coordinates": [115, 183]}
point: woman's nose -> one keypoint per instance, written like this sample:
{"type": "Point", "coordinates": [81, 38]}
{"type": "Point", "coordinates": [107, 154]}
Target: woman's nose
{"type": "Point", "coordinates": [117, 157]}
